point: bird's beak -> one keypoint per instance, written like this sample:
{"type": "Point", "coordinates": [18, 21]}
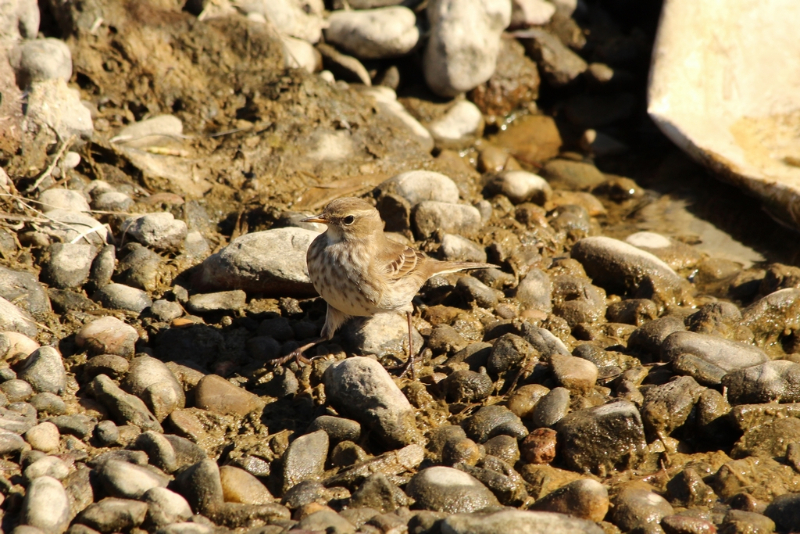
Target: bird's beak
{"type": "Point", "coordinates": [316, 219]}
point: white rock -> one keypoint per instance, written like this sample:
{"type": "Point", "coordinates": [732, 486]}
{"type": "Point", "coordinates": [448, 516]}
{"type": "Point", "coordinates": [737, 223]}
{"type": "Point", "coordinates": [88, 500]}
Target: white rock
{"type": "Point", "coordinates": [431, 216]}
{"type": "Point", "coordinates": [46, 506]}
{"type": "Point", "coordinates": [289, 17]}
{"type": "Point", "coordinates": [374, 33]}
{"type": "Point", "coordinates": [386, 99]}
{"type": "Point", "coordinates": [70, 225]}
{"type": "Point", "coordinates": [459, 127]}
{"type": "Point", "coordinates": [526, 13]}
{"type": "Point", "coordinates": [648, 240]}
{"type": "Point", "coordinates": [71, 160]}
{"type": "Point", "coordinates": [464, 42]}
{"type": "Point", "coordinates": [729, 96]}
{"type": "Point", "coordinates": [161, 231]}
{"type": "Point", "coordinates": [42, 59]}
{"type": "Point", "coordinates": [19, 19]}
{"type": "Point", "coordinates": [16, 320]}
{"type": "Point", "coordinates": [43, 437]}
{"type": "Point", "coordinates": [52, 104]}
{"type": "Point", "coordinates": [15, 346]}
{"type": "Point", "coordinates": [160, 125]}
{"type": "Point", "coordinates": [48, 466]}
{"type": "Point", "coordinates": [331, 146]}
{"type": "Point", "coordinates": [300, 54]}
{"type": "Point", "coordinates": [327, 76]}
{"type": "Point", "coordinates": [417, 186]}
{"type": "Point", "coordinates": [457, 248]}
{"type": "Point", "coordinates": [63, 199]}
{"type": "Point", "coordinates": [523, 186]}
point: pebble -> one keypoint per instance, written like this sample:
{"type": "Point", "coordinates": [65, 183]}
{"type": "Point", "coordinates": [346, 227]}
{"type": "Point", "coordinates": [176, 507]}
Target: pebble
{"type": "Point", "coordinates": [539, 447]}
{"type": "Point", "coordinates": [783, 510]}
{"type": "Point", "coordinates": [504, 447]}
{"type": "Point", "coordinates": [723, 353]}
{"type": "Point", "coordinates": [551, 408]}
{"type": "Point", "coordinates": [300, 54]}
{"type": "Point", "coordinates": [618, 266]}
{"type": "Point", "coordinates": [113, 515]}
{"type": "Point", "coordinates": [374, 33]}
{"type": "Point", "coordinates": [648, 338]}
{"type": "Point", "coordinates": [524, 399]}
{"type": "Point", "coordinates": [166, 310]}
{"type": "Point", "coordinates": [103, 266]}
{"type": "Point", "coordinates": [16, 390]}
{"type": "Point", "coordinates": [431, 216]}
{"type": "Point", "coordinates": [632, 311]}
{"type": "Point", "coordinates": [379, 493]}
{"type": "Point", "coordinates": [68, 264]}
{"type": "Point", "coordinates": [218, 395]}
{"type": "Point", "coordinates": [521, 186]}
{"type": "Point", "coordinates": [140, 267]}
{"type": "Point", "coordinates": [272, 262]}
{"type": "Point", "coordinates": [572, 175]}
{"type": "Point", "coordinates": [457, 248]}
{"type": "Point", "coordinates": [578, 301]}
{"type": "Point", "coordinates": [54, 104]}
{"type": "Point", "coordinates": [240, 486]}
{"type": "Point", "coordinates": [108, 335]}
{"type": "Point", "coordinates": [160, 231]}
{"type": "Point", "coordinates": [518, 521]}
{"type": "Point", "coordinates": [474, 291]}
{"type": "Point", "coordinates": [15, 346]}
{"type": "Point", "coordinates": [559, 65]}
{"type": "Point", "coordinates": [491, 421]}
{"type": "Point", "coordinates": [467, 386]}
{"type": "Point", "coordinates": [165, 507]}
{"type": "Point", "coordinates": [42, 59]}
{"type": "Point", "coordinates": [24, 290]}
{"type": "Point", "coordinates": [526, 13]}
{"type": "Point", "coordinates": [769, 317]}
{"type": "Point", "coordinates": [584, 498]}
{"type": "Point", "coordinates": [46, 506]}
{"type": "Point", "coordinates": [68, 226]}
{"type": "Point", "coordinates": [107, 433]}
{"type": "Point", "coordinates": [106, 364]}
{"type": "Point", "coordinates": [305, 459]}
{"type": "Point", "coordinates": [464, 43]}
{"type": "Point", "coordinates": [459, 127]}
{"type": "Point", "coordinates": [153, 382]}
{"type": "Point", "coordinates": [11, 443]}
{"type": "Point", "coordinates": [326, 521]}
{"type": "Point", "coordinates": [362, 389]}
{"type": "Point", "coordinates": [535, 291]}
{"type": "Point", "coordinates": [575, 374]}
{"type": "Point", "coordinates": [386, 98]}
{"type": "Point", "coordinates": [126, 480]}
{"type": "Point", "coordinates": [444, 489]}
{"type": "Point", "coordinates": [221, 301]}
{"type": "Point", "coordinates": [533, 139]}
{"type": "Point", "coordinates": [43, 437]}
{"type": "Point", "coordinates": [14, 319]}
{"type": "Point", "coordinates": [638, 507]}
{"type": "Point", "coordinates": [382, 334]}
{"type": "Point", "coordinates": [44, 371]}
{"type": "Point", "coordinates": [668, 406]}
{"type": "Point", "coordinates": [125, 408]}
{"type": "Point", "coordinates": [122, 297]}
{"type": "Point", "coordinates": [63, 199]}
{"type": "Point", "coordinates": [337, 428]}
{"type": "Point", "coordinates": [674, 253]}
{"type": "Point", "coordinates": [508, 352]}
{"type": "Point", "coordinates": [15, 421]}
{"type": "Point", "coordinates": [772, 381]}
{"type": "Point", "coordinates": [598, 439]}
{"type": "Point", "coordinates": [418, 186]}
{"type": "Point", "coordinates": [112, 201]}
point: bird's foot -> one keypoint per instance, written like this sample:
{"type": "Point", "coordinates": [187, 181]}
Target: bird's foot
{"type": "Point", "coordinates": [407, 367]}
{"type": "Point", "coordinates": [296, 355]}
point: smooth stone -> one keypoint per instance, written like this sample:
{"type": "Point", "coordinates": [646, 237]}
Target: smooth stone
{"type": "Point", "coordinates": [108, 335]}
{"type": "Point", "coordinates": [216, 394]}
{"type": "Point", "coordinates": [106, 364]}
{"type": "Point", "coordinates": [668, 406]}
{"type": "Point", "coordinates": [521, 186]}
{"type": "Point", "coordinates": [337, 428]}
{"type": "Point", "coordinates": [518, 521]}
{"type": "Point", "coordinates": [160, 231]}
{"type": "Point", "coordinates": [152, 381]}
{"type": "Point", "coordinates": [468, 386]}
{"type": "Point", "coordinates": [535, 291]}
{"type": "Point", "coordinates": [431, 216]}
{"type": "Point", "coordinates": [560, 66]}
{"type": "Point", "coordinates": [16, 320]}
{"type": "Point", "coordinates": [201, 486]}
{"type": "Point", "coordinates": [473, 290]}
{"type": "Point", "coordinates": [539, 447]}
{"type": "Point", "coordinates": [464, 43]}
{"type": "Point", "coordinates": [50, 466]}
{"type": "Point", "coordinates": [362, 389]}
{"type": "Point", "coordinates": [418, 186]}
{"type": "Point", "coordinates": [221, 301]}
{"type": "Point", "coordinates": [326, 521]}
{"type": "Point", "coordinates": [598, 439]}
{"type": "Point", "coordinates": [122, 297]}
{"type": "Point", "coordinates": [533, 139]}
{"type": "Point", "coordinates": [42, 59]}
{"type": "Point", "coordinates": [159, 449]}
{"type": "Point", "coordinates": [508, 352]}
{"type": "Point", "coordinates": [375, 33]}
{"type": "Point", "coordinates": [141, 268]}
{"type": "Point", "coordinates": [43, 437]}
{"type": "Point", "coordinates": [240, 486]}
{"type": "Point", "coordinates": [44, 371]}
{"type": "Point", "coordinates": [11, 443]}
{"type": "Point", "coordinates": [25, 291]}
{"type": "Point", "coordinates": [166, 310]}
{"type": "Point", "coordinates": [769, 382]}
{"type": "Point", "coordinates": [14, 420]}
{"type": "Point", "coordinates": [128, 481]}
{"type": "Point", "coordinates": [551, 408]}
{"type": "Point", "coordinates": [723, 353]}
{"type": "Point", "coordinates": [573, 373]}
{"type": "Point", "coordinates": [649, 337]}
{"type": "Point", "coordinates": [69, 264]}
{"type": "Point", "coordinates": [457, 248]}
{"type": "Point", "coordinates": [15, 346]}
{"type": "Point", "coordinates": [459, 127]}
{"type": "Point", "coordinates": [379, 493]}
{"type": "Point", "coordinates": [63, 199]}
{"type": "Point", "coordinates": [165, 507]}
{"type": "Point", "coordinates": [272, 262]}
{"type": "Point", "coordinates": [773, 315]}
{"type": "Point", "coordinates": [638, 507]}
{"type": "Point", "coordinates": [783, 510]}
{"type": "Point", "coordinates": [124, 407]}
{"type": "Point", "coordinates": [46, 506]}
{"type": "Point", "coordinates": [16, 390]}
{"type": "Point", "coordinates": [383, 334]}
{"type": "Point", "coordinates": [491, 421]}
{"type": "Point", "coordinates": [103, 266]}
{"type": "Point", "coordinates": [53, 104]}
{"type": "Point", "coordinates": [112, 201]}
{"type": "Point", "coordinates": [113, 515]}
{"type": "Point", "coordinates": [445, 489]}
{"type": "Point", "coordinates": [68, 226]}
{"type": "Point", "coordinates": [572, 175]}
{"type": "Point", "coordinates": [300, 54]}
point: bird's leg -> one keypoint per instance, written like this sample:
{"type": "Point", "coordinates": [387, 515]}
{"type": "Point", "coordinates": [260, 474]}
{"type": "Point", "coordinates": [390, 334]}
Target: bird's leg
{"type": "Point", "coordinates": [410, 362]}
{"type": "Point", "coordinates": [297, 354]}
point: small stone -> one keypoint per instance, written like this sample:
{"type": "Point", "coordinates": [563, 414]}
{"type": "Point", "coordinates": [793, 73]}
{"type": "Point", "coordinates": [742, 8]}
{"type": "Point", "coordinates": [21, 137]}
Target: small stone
{"type": "Point", "coordinates": [521, 186]}
{"type": "Point", "coordinates": [216, 394]}
{"type": "Point", "coordinates": [79, 425]}
{"type": "Point", "coordinates": [723, 353]}
{"type": "Point", "coordinates": [504, 447]}
{"type": "Point", "coordinates": [160, 231]}
{"type": "Point", "coordinates": [573, 373]}
{"type": "Point", "coordinates": [526, 13]}
{"type": "Point", "coordinates": [106, 364]}
{"type": "Point", "coordinates": [16, 390]}
{"type": "Point", "coordinates": [383, 334]}
{"type": "Point", "coordinates": [468, 386]}
{"type": "Point", "coordinates": [337, 428]}
{"type": "Point", "coordinates": [431, 216]}
{"type": "Point", "coordinates": [165, 507]}
{"type": "Point", "coordinates": [456, 60]}
{"type": "Point", "coordinates": [11, 443]}
{"type": "Point", "coordinates": [108, 335]}
{"type": "Point", "coordinates": [272, 262]}
{"type": "Point", "coordinates": [457, 248]}
{"type": "Point", "coordinates": [222, 301]}
{"type": "Point", "coordinates": [53, 104]}
{"type": "Point", "coordinates": [539, 447]}
{"type": "Point", "coordinates": [128, 481]}
{"type": "Point", "coordinates": [166, 310]}
{"type": "Point", "coordinates": [572, 175]}
{"type": "Point", "coordinates": [16, 320]}
{"type": "Point", "coordinates": [381, 33]}
{"type": "Point", "coordinates": [518, 521]}
{"type": "Point", "coordinates": [783, 510]}
{"type": "Point", "coordinates": [551, 408]}
{"type": "Point", "coordinates": [114, 515]}
{"type": "Point", "coordinates": [418, 186]}
{"type": "Point", "coordinates": [122, 297]}
{"type": "Point", "coordinates": [103, 266]}
{"type": "Point", "coordinates": [362, 389]}
{"type": "Point", "coordinates": [305, 459]}
{"type": "Point", "coordinates": [63, 199]}
{"type": "Point", "coordinates": [153, 382]}
{"type": "Point", "coordinates": [240, 486]}
{"type": "Point", "coordinates": [524, 399]}
{"type": "Point", "coordinates": [508, 352]}
{"type": "Point", "coordinates": [632, 311]}
{"type": "Point", "coordinates": [300, 54]}
{"type": "Point", "coordinates": [42, 59]}
{"type": "Point", "coordinates": [44, 371]}
{"type": "Point", "coordinates": [638, 507]}
{"type": "Point", "coordinates": [473, 290]}
{"type": "Point", "coordinates": [46, 506]}
{"type": "Point", "coordinates": [559, 65]}
{"type": "Point", "coordinates": [126, 408]}
{"type": "Point", "coordinates": [491, 421]}
{"type": "Point", "coordinates": [772, 381]}
{"type": "Point", "coordinates": [648, 338]}
{"type": "Point", "coordinates": [535, 291]}
{"type": "Point", "coordinates": [15, 346]}
{"type": "Point", "coordinates": [43, 437]}
{"type": "Point", "coordinates": [68, 264]}
{"type": "Point", "coordinates": [141, 268]}
{"type": "Point", "coordinates": [585, 498]}
{"type": "Point", "coordinates": [107, 432]}
{"type": "Point", "coordinates": [459, 127]}
{"type": "Point", "coordinates": [50, 466]}
{"type": "Point", "coordinates": [48, 403]}
{"type": "Point", "coordinates": [112, 201]}
{"type": "Point", "coordinates": [326, 521]}
{"type": "Point", "coordinates": [445, 489]}
{"type": "Point", "coordinates": [533, 139]}
{"type": "Point", "coordinates": [668, 406]}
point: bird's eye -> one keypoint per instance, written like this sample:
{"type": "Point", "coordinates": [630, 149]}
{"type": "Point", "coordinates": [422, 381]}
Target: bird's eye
{"type": "Point", "coordinates": [349, 219]}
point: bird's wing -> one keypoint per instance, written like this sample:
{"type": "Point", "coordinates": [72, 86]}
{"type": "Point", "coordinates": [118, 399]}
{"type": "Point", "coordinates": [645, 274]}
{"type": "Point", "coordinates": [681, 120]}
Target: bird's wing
{"type": "Point", "coordinates": [398, 260]}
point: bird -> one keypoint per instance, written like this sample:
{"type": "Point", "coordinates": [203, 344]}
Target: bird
{"type": "Point", "coordinates": [360, 272]}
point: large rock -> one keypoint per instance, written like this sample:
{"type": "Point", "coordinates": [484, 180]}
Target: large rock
{"type": "Point", "coordinates": [464, 43]}
{"type": "Point", "coordinates": [272, 262]}
{"type": "Point", "coordinates": [362, 389]}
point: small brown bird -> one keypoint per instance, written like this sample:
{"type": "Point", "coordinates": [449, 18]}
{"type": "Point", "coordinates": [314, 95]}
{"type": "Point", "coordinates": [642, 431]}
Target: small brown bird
{"type": "Point", "coordinates": [360, 272]}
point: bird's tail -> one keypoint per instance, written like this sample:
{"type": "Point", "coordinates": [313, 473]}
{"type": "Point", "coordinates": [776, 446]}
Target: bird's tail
{"type": "Point", "coordinates": [444, 267]}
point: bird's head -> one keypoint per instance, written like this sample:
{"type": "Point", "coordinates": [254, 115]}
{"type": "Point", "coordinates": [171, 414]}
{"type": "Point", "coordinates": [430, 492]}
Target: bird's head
{"type": "Point", "coordinates": [349, 218]}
